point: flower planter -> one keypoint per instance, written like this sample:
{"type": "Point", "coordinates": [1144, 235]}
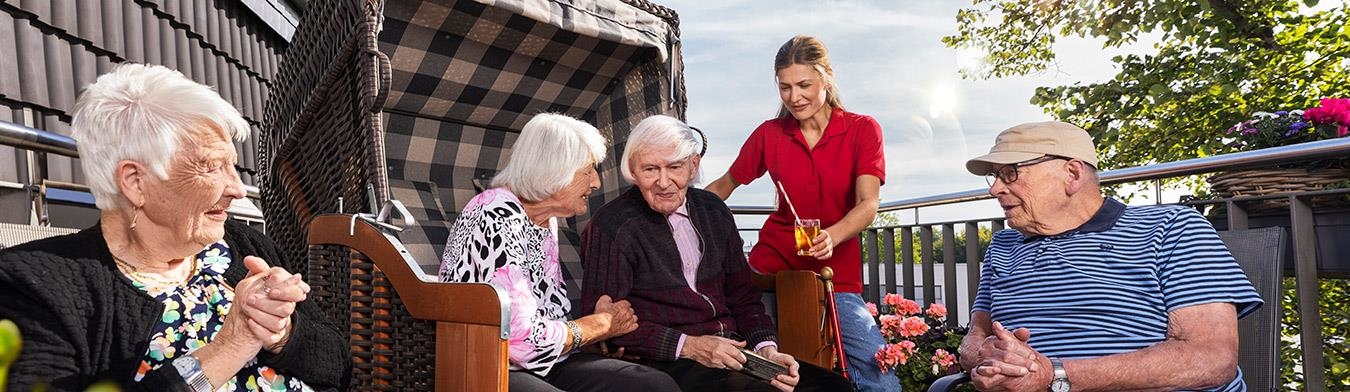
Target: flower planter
{"type": "Point", "coordinates": [1263, 182]}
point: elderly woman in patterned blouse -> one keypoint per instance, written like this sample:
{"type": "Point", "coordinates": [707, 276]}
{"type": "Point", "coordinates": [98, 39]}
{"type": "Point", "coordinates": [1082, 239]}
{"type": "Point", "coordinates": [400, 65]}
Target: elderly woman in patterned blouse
{"type": "Point", "coordinates": [507, 236]}
{"type": "Point", "coordinates": [165, 292]}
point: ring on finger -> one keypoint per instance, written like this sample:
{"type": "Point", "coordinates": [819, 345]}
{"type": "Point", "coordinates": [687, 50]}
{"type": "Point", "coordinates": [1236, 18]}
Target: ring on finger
{"type": "Point", "coordinates": [266, 290]}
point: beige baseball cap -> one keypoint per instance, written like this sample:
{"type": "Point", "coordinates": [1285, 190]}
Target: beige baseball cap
{"type": "Point", "coordinates": [1034, 140]}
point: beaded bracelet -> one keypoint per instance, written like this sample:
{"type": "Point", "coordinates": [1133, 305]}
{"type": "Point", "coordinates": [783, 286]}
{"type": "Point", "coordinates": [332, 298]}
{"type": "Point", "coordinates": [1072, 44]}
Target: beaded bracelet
{"type": "Point", "coordinates": [576, 334]}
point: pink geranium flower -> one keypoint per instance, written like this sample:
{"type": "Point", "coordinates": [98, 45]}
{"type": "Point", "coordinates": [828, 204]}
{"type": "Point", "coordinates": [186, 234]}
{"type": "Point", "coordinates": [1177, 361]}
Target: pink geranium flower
{"type": "Point", "coordinates": [890, 325]}
{"type": "Point", "coordinates": [892, 300]}
{"type": "Point", "coordinates": [937, 311]}
{"type": "Point", "coordinates": [913, 326]}
{"type": "Point", "coordinates": [944, 358]}
{"type": "Point", "coordinates": [893, 355]}
{"type": "Point", "coordinates": [872, 308]}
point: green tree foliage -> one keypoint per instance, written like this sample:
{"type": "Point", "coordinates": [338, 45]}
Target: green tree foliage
{"type": "Point", "coordinates": [1216, 62]}
{"type": "Point", "coordinates": [1335, 293]}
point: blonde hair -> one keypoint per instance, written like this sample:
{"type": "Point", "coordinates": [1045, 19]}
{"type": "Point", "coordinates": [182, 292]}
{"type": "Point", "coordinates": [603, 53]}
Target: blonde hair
{"type": "Point", "coordinates": [807, 50]}
{"type": "Point", "coordinates": [143, 113]}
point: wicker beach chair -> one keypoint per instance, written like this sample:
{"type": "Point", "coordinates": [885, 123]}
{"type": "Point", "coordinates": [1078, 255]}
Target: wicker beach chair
{"type": "Point", "coordinates": [421, 101]}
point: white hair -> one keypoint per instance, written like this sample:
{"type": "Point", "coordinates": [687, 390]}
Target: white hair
{"type": "Point", "coordinates": [550, 150]}
{"type": "Point", "coordinates": [143, 113]}
{"type": "Point", "coordinates": [662, 131]}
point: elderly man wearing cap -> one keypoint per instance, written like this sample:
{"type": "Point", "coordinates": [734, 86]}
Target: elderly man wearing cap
{"type": "Point", "coordinates": [1085, 293]}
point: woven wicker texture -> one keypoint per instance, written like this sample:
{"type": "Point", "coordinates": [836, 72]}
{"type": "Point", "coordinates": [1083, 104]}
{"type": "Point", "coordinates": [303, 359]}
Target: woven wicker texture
{"type": "Point", "coordinates": [1265, 182]}
{"type": "Point", "coordinates": [12, 234]}
{"type": "Point", "coordinates": [460, 81]}
{"type": "Point", "coordinates": [465, 83]}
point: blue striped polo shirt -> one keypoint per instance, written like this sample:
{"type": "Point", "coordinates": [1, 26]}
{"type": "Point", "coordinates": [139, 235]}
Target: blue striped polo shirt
{"type": "Point", "coordinates": [1107, 287]}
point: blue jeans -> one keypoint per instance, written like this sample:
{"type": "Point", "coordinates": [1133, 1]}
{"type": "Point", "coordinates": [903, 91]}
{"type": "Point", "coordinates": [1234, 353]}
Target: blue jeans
{"type": "Point", "coordinates": [862, 338]}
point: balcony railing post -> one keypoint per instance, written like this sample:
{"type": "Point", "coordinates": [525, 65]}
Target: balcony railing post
{"type": "Point", "coordinates": [949, 269]}
{"type": "Point", "coordinates": [907, 260]}
{"type": "Point", "coordinates": [873, 288]}
{"type": "Point", "coordinates": [888, 258]}
{"type": "Point", "coordinates": [1237, 216]}
{"type": "Point", "coordinates": [1305, 277]}
{"type": "Point", "coordinates": [926, 243]}
{"type": "Point", "coordinates": [973, 257]}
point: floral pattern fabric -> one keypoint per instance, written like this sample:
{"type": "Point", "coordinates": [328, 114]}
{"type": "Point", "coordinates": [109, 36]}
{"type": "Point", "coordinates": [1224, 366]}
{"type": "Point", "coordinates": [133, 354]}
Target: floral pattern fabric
{"type": "Point", "coordinates": [493, 241]}
{"type": "Point", "coordinates": [193, 313]}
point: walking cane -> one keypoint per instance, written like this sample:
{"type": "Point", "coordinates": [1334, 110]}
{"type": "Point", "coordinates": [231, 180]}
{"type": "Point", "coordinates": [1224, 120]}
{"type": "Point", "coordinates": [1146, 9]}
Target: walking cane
{"type": "Point", "coordinates": [832, 312]}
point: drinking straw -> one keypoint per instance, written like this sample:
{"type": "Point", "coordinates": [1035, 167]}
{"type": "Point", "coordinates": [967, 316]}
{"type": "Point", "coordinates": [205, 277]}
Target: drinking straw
{"type": "Point", "coordinates": [788, 199]}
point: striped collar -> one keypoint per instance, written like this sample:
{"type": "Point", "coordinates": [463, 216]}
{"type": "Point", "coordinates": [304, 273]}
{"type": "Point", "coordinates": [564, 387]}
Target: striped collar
{"type": "Point", "coordinates": [1101, 221]}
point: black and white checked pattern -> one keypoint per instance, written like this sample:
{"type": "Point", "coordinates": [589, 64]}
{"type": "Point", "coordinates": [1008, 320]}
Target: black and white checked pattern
{"type": "Point", "coordinates": [467, 77]}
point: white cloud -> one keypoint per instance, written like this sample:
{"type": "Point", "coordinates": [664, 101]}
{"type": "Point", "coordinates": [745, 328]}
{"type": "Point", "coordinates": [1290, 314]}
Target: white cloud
{"type": "Point", "coordinates": [889, 64]}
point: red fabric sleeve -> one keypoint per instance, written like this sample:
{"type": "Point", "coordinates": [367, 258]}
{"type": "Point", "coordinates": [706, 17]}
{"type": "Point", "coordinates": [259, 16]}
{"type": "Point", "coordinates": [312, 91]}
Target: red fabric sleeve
{"type": "Point", "coordinates": [870, 150]}
{"type": "Point", "coordinates": [749, 164]}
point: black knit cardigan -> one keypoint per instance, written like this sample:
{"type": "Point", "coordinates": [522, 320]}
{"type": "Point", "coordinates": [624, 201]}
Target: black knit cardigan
{"type": "Point", "coordinates": [83, 322]}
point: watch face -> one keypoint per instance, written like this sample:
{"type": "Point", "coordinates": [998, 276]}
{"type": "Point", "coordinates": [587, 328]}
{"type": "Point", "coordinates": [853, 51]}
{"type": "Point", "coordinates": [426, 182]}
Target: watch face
{"type": "Point", "coordinates": [1059, 385]}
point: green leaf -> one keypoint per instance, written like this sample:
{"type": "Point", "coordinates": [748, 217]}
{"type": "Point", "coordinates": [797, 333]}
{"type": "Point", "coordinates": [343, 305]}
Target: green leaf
{"type": "Point", "coordinates": [1158, 89]}
{"type": "Point", "coordinates": [11, 342]}
{"type": "Point", "coordinates": [1310, 3]}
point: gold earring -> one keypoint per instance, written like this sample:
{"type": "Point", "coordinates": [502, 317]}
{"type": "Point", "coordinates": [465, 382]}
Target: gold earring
{"type": "Point", "coordinates": [135, 215]}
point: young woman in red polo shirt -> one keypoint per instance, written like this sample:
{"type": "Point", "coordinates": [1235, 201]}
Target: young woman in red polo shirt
{"type": "Point", "coordinates": [830, 163]}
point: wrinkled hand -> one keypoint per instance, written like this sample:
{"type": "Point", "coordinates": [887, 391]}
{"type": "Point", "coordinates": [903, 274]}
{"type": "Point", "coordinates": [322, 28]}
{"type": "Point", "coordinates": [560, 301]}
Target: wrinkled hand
{"type": "Point", "coordinates": [267, 303]}
{"type": "Point", "coordinates": [1009, 364]}
{"type": "Point", "coordinates": [787, 381]}
{"type": "Point", "coordinates": [714, 352]}
{"type": "Point", "coordinates": [822, 247]}
{"type": "Point", "coordinates": [622, 320]}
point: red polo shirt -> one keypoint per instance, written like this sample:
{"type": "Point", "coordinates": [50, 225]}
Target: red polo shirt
{"type": "Point", "coordinates": [820, 182]}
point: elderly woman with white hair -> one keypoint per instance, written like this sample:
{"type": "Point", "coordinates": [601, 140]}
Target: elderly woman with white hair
{"type": "Point", "coordinates": [673, 251]}
{"type": "Point", "coordinates": [508, 236]}
{"type": "Point", "coordinates": [165, 292]}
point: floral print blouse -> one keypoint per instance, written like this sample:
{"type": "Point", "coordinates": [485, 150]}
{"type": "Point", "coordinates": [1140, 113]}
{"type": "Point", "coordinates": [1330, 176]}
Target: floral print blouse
{"type": "Point", "coordinates": [494, 242]}
{"type": "Point", "coordinates": [193, 313]}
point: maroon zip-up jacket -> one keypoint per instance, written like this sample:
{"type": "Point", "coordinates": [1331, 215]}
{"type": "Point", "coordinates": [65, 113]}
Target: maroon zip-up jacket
{"type": "Point", "coordinates": [629, 252]}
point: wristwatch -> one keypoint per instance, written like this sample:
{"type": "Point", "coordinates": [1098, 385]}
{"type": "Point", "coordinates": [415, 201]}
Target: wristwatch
{"type": "Point", "coordinates": [190, 368]}
{"type": "Point", "coordinates": [1061, 381]}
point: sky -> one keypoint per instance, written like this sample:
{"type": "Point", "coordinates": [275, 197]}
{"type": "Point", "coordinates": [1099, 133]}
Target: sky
{"type": "Point", "coordinates": [889, 63]}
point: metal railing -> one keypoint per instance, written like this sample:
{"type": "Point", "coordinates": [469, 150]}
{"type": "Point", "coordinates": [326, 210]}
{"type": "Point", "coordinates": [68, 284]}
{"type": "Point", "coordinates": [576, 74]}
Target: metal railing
{"type": "Point", "coordinates": [879, 242]}
{"type": "Point", "coordinates": [897, 273]}
{"type": "Point", "coordinates": [19, 136]}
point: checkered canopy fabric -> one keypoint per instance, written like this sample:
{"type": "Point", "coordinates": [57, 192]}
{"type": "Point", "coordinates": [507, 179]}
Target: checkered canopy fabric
{"type": "Point", "coordinates": [422, 101]}
{"type": "Point", "coordinates": [467, 76]}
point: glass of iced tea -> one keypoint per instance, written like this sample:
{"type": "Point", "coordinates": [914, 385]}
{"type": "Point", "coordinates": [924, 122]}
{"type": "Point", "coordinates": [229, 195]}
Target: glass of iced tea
{"type": "Point", "coordinates": [805, 230]}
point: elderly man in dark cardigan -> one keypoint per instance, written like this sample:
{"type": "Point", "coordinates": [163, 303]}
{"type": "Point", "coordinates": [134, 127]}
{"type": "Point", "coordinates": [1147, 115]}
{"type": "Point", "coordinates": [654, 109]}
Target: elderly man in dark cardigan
{"type": "Point", "coordinates": [674, 253]}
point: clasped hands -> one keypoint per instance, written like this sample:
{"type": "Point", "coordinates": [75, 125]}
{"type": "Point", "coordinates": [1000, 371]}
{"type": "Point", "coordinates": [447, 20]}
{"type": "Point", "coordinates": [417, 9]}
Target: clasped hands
{"type": "Point", "coordinates": [260, 316]}
{"type": "Point", "coordinates": [1004, 362]}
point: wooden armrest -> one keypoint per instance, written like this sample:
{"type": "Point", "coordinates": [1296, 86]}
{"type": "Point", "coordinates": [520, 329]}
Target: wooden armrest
{"type": "Point", "coordinates": [471, 303]}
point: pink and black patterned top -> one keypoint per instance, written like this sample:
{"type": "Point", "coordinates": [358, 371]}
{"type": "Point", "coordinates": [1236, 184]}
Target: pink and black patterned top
{"type": "Point", "coordinates": [494, 242]}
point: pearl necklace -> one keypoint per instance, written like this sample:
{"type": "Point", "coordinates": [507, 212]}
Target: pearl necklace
{"type": "Point", "coordinates": [157, 282]}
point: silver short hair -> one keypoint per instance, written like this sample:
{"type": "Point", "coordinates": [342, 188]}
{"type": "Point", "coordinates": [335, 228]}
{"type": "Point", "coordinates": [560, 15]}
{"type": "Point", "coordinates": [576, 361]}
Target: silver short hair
{"type": "Point", "coordinates": [662, 131]}
{"type": "Point", "coordinates": [143, 113]}
{"type": "Point", "coordinates": [550, 150]}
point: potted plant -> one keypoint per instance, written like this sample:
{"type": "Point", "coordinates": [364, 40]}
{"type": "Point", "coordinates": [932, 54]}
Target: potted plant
{"type": "Point", "coordinates": [1328, 120]}
{"type": "Point", "coordinates": [920, 346]}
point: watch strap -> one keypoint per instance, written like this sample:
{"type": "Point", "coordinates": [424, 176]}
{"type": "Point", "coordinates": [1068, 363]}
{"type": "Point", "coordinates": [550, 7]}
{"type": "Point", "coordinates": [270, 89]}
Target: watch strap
{"type": "Point", "coordinates": [190, 368]}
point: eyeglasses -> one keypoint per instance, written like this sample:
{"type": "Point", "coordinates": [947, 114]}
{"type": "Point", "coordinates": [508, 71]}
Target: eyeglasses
{"type": "Point", "coordinates": [1008, 173]}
